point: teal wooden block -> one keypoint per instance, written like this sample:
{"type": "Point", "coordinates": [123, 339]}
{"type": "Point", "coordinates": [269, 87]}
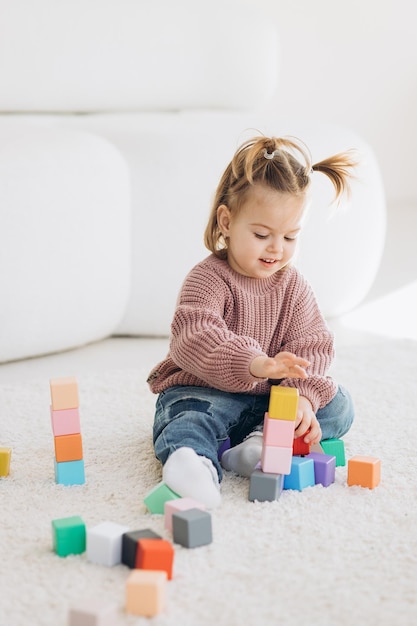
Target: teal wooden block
{"type": "Point", "coordinates": [335, 447]}
{"type": "Point", "coordinates": [301, 475]}
{"type": "Point", "coordinates": [69, 535]}
{"type": "Point", "coordinates": [156, 498]}
{"type": "Point", "coordinates": [70, 472]}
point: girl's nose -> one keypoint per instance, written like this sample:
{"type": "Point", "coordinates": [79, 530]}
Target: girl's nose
{"type": "Point", "coordinates": [276, 247]}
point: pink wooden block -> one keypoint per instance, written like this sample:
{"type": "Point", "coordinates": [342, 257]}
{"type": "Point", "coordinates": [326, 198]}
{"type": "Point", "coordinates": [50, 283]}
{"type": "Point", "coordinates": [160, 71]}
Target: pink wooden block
{"type": "Point", "coordinates": [65, 422]}
{"type": "Point", "coordinates": [278, 433]}
{"type": "Point", "coordinates": [276, 460]}
{"type": "Point", "coordinates": [180, 504]}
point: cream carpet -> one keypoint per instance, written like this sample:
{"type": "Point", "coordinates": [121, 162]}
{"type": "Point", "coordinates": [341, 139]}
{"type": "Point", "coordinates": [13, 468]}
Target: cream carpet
{"type": "Point", "coordinates": [338, 555]}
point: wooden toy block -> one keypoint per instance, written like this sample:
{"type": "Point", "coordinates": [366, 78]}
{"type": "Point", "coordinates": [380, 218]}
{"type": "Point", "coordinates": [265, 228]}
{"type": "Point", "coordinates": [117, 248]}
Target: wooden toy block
{"type": "Point", "coordinates": [93, 612]}
{"type": "Point", "coordinates": [70, 473]}
{"type": "Point", "coordinates": [283, 403]}
{"type": "Point", "coordinates": [301, 475]}
{"type": "Point", "coordinates": [180, 504]}
{"type": "Point", "coordinates": [265, 487]}
{"type": "Point", "coordinates": [146, 592]}
{"type": "Point", "coordinates": [192, 528]}
{"type": "Point", "coordinates": [335, 447]}
{"type": "Point", "coordinates": [5, 458]}
{"type": "Point", "coordinates": [68, 535]}
{"type": "Point", "coordinates": [156, 498]}
{"type": "Point", "coordinates": [300, 447]}
{"type": "Point", "coordinates": [68, 448]}
{"type": "Point", "coordinates": [65, 422]}
{"type": "Point", "coordinates": [324, 468]}
{"type": "Point", "coordinates": [155, 554]}
{"type": "Point", "coordinates": [278, 432]}
{"type": "Point", "coordinates": [130, 541]}
{"type": "Point", "coordinates": [224, 446]}
{"type": "Point", "coordinates": [276, 460]}
{"type": "Point", "coordinates": [104, 543]}
{"type": "Point", "coordinates": [64, 393]}
{"type": "Point", "coordinates": [364, 471]}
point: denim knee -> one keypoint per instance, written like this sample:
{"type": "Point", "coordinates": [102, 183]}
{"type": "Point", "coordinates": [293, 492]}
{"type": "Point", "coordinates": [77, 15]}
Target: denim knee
{"type": "Point", "coordinates": [336, 418]}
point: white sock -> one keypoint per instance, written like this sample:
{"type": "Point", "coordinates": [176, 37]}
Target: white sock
{"type": "Point", "coordinates": [243, 458]}
{"type": "Point", "coordinates": [192, 476]}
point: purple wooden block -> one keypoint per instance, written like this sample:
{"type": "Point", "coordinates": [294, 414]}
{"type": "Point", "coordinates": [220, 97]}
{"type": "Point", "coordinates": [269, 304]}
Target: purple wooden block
{"type": "Point", "coordinates": [225, 446]}
{"type": "Point", "coordinates": [324, 468]}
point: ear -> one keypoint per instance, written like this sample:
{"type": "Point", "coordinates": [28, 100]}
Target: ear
{"type": "Point", "coordinates": [223, 219]}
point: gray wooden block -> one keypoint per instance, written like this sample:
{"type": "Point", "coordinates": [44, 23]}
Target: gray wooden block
{"type": "Point", "coordinates": [265, 487]}
{"type": "Point", "coordinates": [192, 528]}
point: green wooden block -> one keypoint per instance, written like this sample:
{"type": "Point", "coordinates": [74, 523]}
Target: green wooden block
{"type": "Point", "coordinates": [156, 498]}
{"type": "Point", "coordinates": [69, 535]}
{"type": "Point", "coordinates": [335, 447]}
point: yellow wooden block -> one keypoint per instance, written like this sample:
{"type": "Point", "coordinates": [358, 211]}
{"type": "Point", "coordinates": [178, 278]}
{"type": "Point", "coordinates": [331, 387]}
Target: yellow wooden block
{"type": "Point", "coordinates": [283, 403]}
{"type": "Point", "coordinates": [64, 393]}
{"type": "Point", "coordinates": [145, 592]}
{"type": "Point", "coordinates": [5, 456]}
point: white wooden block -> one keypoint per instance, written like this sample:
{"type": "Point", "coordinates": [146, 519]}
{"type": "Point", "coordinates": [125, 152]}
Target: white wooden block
{"type": "Point", "coordinates": [104, 543]}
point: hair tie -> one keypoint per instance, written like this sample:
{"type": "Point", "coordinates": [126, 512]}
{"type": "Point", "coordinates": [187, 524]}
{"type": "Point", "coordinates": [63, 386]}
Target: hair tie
{"type": "Point", "coordinates": [271, 155]}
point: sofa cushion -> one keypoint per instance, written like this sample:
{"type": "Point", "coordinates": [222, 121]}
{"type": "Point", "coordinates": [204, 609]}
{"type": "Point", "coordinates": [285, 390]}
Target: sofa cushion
{"type": "Point", "coordinates": [64, 239]}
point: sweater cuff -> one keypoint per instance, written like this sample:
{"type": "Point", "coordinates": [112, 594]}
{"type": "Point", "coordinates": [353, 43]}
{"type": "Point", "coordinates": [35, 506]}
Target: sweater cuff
{"type": "Point", "coordinates": [241, 367]}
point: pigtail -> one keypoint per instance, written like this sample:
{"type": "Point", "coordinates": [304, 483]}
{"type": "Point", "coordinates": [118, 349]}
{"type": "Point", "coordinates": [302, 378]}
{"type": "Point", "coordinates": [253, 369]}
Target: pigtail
{"type": "Point", "coordinates": [338, 168]}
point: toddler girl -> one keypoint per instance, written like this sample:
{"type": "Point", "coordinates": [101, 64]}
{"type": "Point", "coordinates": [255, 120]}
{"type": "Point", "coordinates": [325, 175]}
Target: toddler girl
{"type": "Point", "coordinates": [246, 319]}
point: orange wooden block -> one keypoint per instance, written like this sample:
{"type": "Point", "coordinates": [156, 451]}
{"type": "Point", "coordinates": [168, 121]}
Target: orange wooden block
{"type": "Point", "coordinates": [68, 448]}
{"type": "Point", "coordinates": [364, 471]}
{"type": "Point", "coordinates": [155, 554]}
{"type": "Point", "coordinates": [64, 393]}
{"type": "Point", "coordinates": [146, 592]}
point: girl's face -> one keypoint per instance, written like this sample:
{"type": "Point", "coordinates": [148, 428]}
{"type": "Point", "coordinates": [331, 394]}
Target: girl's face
{"type": "Point", "coordinates": [262, 235]}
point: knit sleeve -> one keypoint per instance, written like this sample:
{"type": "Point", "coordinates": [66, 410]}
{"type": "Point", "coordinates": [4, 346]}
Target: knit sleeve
{"type": "Point", "coordinates": [308, 336]}
{"type": "Point", "coordinates": [201, 342]}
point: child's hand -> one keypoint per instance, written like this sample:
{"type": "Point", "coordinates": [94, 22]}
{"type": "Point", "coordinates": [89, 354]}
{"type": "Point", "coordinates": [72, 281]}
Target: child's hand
{"type": "Point", "coordinates": [306, 423]}
{"type": "Point", "coordinates": [283, 365]}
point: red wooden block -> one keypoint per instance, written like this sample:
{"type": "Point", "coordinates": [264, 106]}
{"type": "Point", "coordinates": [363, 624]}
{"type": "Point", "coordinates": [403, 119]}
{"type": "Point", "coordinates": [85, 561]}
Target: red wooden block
{"type": "Point", "coordinates": [299, 447]}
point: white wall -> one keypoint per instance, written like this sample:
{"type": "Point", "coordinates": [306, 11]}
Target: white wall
{"type": "Point", "coordinates": [354, 63]}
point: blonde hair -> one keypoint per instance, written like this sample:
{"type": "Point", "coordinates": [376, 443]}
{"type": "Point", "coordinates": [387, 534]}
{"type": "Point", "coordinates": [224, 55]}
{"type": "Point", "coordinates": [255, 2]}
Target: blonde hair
{"type": "Point", "coordinates": [281, 163]}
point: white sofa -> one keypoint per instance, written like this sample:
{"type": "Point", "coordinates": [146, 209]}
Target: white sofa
{"type": "Point", "coordinates": [116, 120]}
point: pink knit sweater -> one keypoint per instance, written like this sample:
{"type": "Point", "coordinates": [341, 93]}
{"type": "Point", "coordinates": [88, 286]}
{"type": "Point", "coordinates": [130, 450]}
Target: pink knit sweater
{"type": "Point", "coordinates": [224, 319]}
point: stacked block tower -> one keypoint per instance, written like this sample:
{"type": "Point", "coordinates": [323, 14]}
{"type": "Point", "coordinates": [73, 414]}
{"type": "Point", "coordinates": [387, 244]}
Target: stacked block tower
{"type": "Point", "coordinates": [279, 426]}
{"type": "Point", "coordinates": [65, 419]}
{"type": "Point", "coordinates": [267, 482]}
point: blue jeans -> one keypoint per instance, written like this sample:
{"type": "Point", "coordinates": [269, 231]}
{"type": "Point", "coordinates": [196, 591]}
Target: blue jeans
{"type": "Point", "coordinates": [203, 418]}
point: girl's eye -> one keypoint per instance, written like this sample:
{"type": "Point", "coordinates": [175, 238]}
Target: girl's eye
{"type": "Point", "coordinates": [290, 238]}
{"type": "Point", "coordinates": [259, 236]}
